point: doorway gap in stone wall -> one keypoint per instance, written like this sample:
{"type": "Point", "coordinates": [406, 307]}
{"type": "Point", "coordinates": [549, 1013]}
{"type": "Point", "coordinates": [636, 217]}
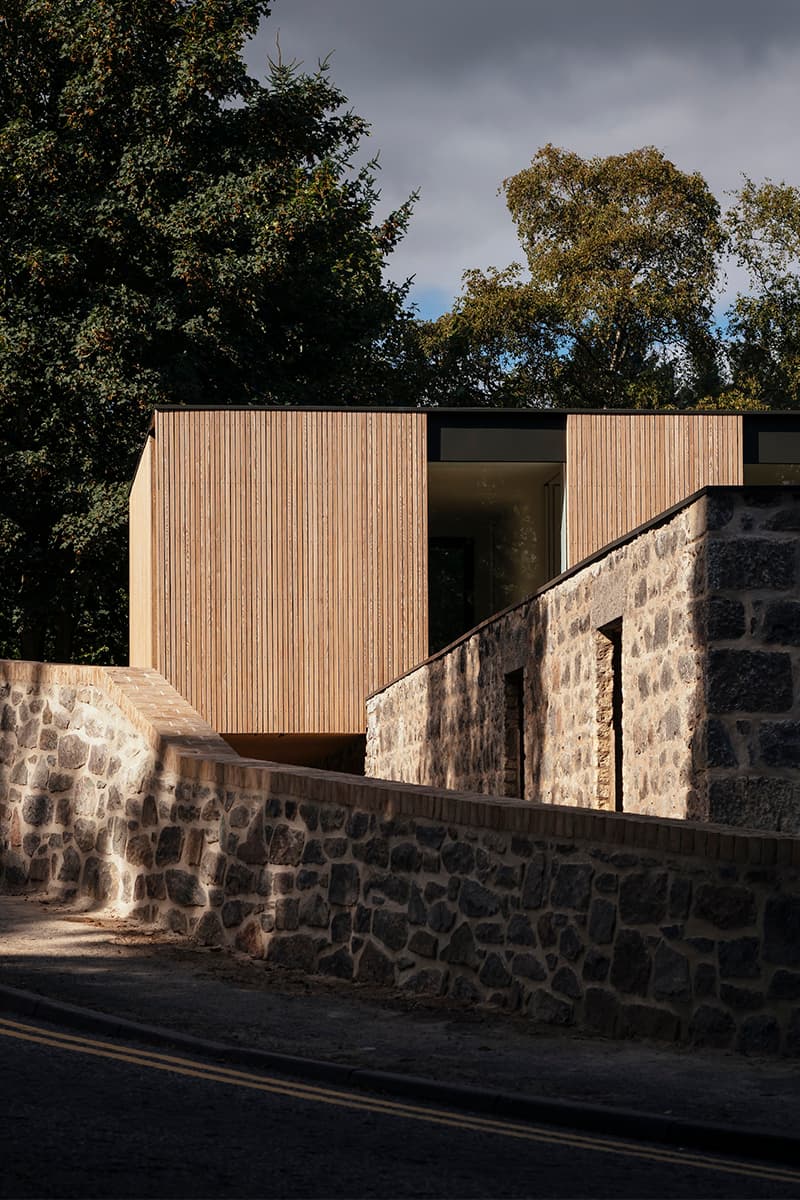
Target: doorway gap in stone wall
{"type": "Point", "coordinates": [610, 747]}
{"type": "Point", "coordinates": [514, 768]}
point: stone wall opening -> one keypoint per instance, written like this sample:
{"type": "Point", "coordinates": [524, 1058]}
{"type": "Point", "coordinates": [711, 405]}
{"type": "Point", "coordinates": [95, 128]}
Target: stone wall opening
{"type": "Point", "coordinates": [610, 748]}
{"type": "Point", "coordinates": [514, 766]}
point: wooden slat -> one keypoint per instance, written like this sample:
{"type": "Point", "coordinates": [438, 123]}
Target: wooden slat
{"type": "Point", "coordinates": [291, 560]}
{"type": "Point", "coordinates": [141, 598]}
{"type": "Point", "coordinates": [624, 469]}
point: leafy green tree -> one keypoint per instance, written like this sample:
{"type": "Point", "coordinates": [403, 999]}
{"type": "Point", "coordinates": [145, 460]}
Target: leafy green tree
{"type": "Point", "coordinates": [622, 257]}
{"type": "Point", "coordinates": [173, 231]}
{"type": "Point", "coordinates": [764, 323]}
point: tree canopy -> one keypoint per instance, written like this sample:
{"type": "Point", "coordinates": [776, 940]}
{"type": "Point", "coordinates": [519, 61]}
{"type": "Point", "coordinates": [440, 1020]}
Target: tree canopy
{"type": "Point", "coordinates": [764, 325]}
{"type": "Point", "coordinates": [621, 254]}
{"type": "Point", "coordinates": [174, 232]}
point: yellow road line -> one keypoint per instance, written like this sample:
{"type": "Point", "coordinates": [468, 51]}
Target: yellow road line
{"type": "Point", "coordinates": [321, 1095]}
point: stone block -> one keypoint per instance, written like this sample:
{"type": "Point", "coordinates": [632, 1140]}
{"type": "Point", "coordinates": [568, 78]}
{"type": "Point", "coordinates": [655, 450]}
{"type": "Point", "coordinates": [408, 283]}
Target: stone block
{"type": "Point", "coordinates": [428, 981]}
{"type": "Point", "coordinates": [782, 930]}
{"type": "Point", "coordinates": [631, 963]}
{"type": "Point", "coordinates": [595, 966]}
{"type": "Point", "coordinates": [170, 845]}
{"type": "Point", "coordinates": [725, 906]}
{"type": "Point", "coordinates": [643, 898]}
{"type": "Point", "coordinates": [430, 836]}
{"type": "Point", "coordinates": [741, 998]}
{"type": "Point", "coordinates": [357, 825]}
{"type": "Point", "coordinates": [460, 950]}
{"type": "Point", "coordinates": [533, 887]}
{"type": "Point", "coordinates": [602, 1011]}
{"type": "Point", "coordinates": [458, 858]}
{"type": "Point", "coordinates": [489, 933]}
{"type": "Point", "coordinates": [520, 932]}
{"type": "Point", "coordinates": [494, 973]}
{"type": "Point", "coordinates": [315, 911]}
{"type": "Point", "coordinates": [572, 886]}
{"type": "Point", "coordinates": [670, 974]}
{"type": "Point", "coordinates": [393, 887]}
{"type": "Point", "coordinates": [391, 928]}
{"type": "Point", "coordinates": [287, 913]}
{"type": "Point", "coordinates": [647, 1021]}
{"type": "Point", "coordinates": [759, 1035]}
{"type": "Point", "coordinates": [375, 967]}
{"type": "Point", "coordinates": [725, 619]}
{"type": "Point", "coordinates": [296, 951]}
{"type": "Point", "coordinates": [550, 1010]}
{"type": "Point", "coordinates": [567, 983]}
{"type": "Point", "coordinates": [749, 681]}
{"type": "Point", "coordinates": [73, 751]}
{"type": "Point", "coordinates": [477, 901]}
{"type": "Point", "coordinates": [185, 889]}
{"type": "Point", "coordinates": [710, 1026]}
{"type": "Point", "coordinates": [37, 810]}
{"type": "Point", "coordinates": [748, 563]}
{"type": "Point", "coordinates": [344, 885]}
{"type": "Point", "coordinates": [739, 958]}
{"type": "Point", "coordinates": [313, 852]}
{"type": "Point", "coordinates": [405, 857]}
{"type": "Point", "coordinates": [602, 922]}
{"type": "Point", "coordinates": [785, 985]}
{"type": "Point", "coordinates": [286, 846]}
{"type": "Point", "coordinates": [335, 847]}
{"type": "Point", "coordinates": [781, 623]}
{"type": "Point", "coordinates": [254, 849]}
{"type": "Point", "coordinates": [779, 744]}
{"type": "Point", "coordinates": [423, 943]}
{"type": "Point", "coordinates": [570, 945]}
{"type": "Point", "coordinates": [139, 850]}
{"type": "Point", "coordinates": [339, 964]}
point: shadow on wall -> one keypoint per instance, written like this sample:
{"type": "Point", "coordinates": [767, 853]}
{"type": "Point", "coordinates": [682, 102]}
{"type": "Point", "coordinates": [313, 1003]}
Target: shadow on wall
{"type": "Point", "coordinates": [485, 710]}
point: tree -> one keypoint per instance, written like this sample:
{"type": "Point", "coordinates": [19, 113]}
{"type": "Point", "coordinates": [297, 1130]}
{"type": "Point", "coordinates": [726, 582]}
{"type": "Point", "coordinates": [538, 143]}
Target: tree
{"type": "Point", "coordinates": [622, 257]}
{"type": "Point", "coordinates": [764, 324]}
{"type": "Point", "coordinates": [174, 231]}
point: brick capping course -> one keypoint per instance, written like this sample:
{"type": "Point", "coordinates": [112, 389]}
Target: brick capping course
{"type": "Point", "coordinates": [112, 788]}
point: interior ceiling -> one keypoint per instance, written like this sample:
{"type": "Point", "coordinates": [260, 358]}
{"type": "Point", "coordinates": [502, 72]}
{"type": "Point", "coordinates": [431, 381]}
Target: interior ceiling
{"type": "Point", "coordinates": [463, 486]}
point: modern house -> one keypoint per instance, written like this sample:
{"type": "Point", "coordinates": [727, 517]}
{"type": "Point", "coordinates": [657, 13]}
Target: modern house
{"type": "Point", "coordinates": [287, 563]}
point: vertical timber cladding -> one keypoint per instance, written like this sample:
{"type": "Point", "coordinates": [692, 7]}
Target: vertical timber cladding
{"type": "Point", "coordinates": [140, 510]}
{"type": "Point", "coordinates": [625, 468]}
{"type": "Point", "coordinates": [293, 547]}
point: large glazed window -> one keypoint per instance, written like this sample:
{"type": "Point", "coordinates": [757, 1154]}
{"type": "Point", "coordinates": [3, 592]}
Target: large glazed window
{"type": "Point", "coordinates": [494, 534]}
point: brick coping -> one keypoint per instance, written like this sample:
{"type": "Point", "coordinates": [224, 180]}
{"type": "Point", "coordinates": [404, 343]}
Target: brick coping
{"type": "Point", "coordinates": [186, 745]}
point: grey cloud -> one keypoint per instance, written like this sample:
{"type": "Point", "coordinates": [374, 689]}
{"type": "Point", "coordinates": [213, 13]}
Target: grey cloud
{"type": "Point", "coordinates": [461, 94]}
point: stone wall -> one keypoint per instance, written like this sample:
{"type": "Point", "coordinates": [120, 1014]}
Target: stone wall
{"type": "Point", "coordinates": [84, 753]}
{"type": "Point", "coordinates": [710, 627]}
{"type": "Point", "coordinates": [607, 922]}
{"type": "Point", "coordinates": [752, 738]}
{"type": "Point", "coordinates": [443, 724]}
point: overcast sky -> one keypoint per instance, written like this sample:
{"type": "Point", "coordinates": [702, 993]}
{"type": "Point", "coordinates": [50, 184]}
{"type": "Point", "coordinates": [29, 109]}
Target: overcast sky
{"type": "Point", "coordinates": [461, 94]}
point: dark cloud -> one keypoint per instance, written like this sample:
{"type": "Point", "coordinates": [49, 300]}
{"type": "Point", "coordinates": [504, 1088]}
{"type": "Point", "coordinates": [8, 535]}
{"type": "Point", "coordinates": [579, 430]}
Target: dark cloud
{"type": "Point", "coordinates": [461, 94]}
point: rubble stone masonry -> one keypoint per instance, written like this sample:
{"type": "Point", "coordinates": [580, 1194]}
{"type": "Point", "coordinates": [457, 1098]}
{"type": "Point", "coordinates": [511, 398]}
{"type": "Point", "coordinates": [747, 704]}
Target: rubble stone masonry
{"type": "Point", "coordinates": [706, 599]}
{"type": "Point", "coordinates": [113, 790]}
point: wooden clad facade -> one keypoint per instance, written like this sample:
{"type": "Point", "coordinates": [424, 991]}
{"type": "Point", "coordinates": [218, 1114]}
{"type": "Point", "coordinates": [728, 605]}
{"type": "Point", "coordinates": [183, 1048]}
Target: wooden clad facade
{"type": "Point", "coordinates": [625, 468]}
{"type": "Point", "coordinates": [141, 563]}
{"type": "Point", "coordinates": [290, 565]}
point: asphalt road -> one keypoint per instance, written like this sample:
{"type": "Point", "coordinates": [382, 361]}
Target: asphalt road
{"type": "Point", "coordinates": [93, 1118]}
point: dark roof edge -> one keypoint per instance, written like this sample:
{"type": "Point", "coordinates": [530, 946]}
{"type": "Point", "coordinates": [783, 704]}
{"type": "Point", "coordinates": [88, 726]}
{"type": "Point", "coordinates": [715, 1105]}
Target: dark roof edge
{"type": "Point", "coordinates": [653, 523]}
{"type": "Point", "coordinates": [486, 410]}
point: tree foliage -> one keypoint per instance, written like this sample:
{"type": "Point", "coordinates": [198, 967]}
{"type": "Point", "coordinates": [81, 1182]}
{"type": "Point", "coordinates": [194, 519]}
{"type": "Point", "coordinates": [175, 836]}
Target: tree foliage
{"type": "Point", "coordinates": [764, 323]}
{"type": "Point", "coordinates": [174, 231]}
{"type": "Point", "coordinates": [616, 310]}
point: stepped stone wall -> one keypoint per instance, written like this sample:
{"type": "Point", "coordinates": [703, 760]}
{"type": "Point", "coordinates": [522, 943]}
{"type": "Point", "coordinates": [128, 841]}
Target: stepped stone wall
{"type": "Point", "coordinates": [112, 790]}
{"type": "Point", "coordinates": [707, 600]}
